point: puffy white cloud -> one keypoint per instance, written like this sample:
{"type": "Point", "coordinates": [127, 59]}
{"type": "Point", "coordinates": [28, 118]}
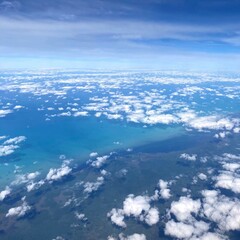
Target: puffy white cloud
{"type": "Point", "coordinates": [228, 180]}
{"type": "Point", "coordinates": [80, 114]}
{"type": "Point", "coordinates": [81, 216]}
{"type": "Point", "coordinates": [152, 217]}
{"type": "Point", "coordinates": [222, 210]}
{"type": "Point", "coordinates": [160, 118]}
{"type": "Point", "coordinates": [193, 230]}
{"type": "Point", "coordinates": [229, 156]}
{"type": "Point", "coordinates": [135, 236]}
{"type": "Point", "coordinates": [25, 178]}
{"type": "Point", "coordinates": [202, 176]}
{"type": "Point", "coordinates": [100, 161]}
{"type": "Point", "coordinates": [211, 123]}
{"type": "Point", "coordinates": [5, 112]}
{"type": "Point", "coordinates": [19, 211]}
{"type": "Point", "coordinates": [117, 217]}
{"type": "Point", "coordinates": [138, 207]}
{"type": "Point", "coordinates": [163, 191]}
{"type": "Point", "coordinates": [10, 145]}
{"type": "Point", "coordinates": [189, 157]}
{"type": "Point", "coordinates": [34, 185]}
{"type": "Point", "coordinates": [18, 107]}
{"type": "Point", "coordinates": [90, 187]}
{"type": "Point", "coordinates": [15, 140]}
{"type": "Point", "coordinates": [93, 154]}
{"type": "Point", "coordinates": [184, 208]}
{"type": "Point", "coordinates": [2, 137]}
{"type": "Point", "coordinates": [5, 193]}
{"type": "Point", "coordinates": [7, 150]}
{"type": "Point", "coordinates": [55, 174]}
{"type": "Point", "coordinates": [209, 236]}
{"type": "Point", "coordinates": [231, 166]}
{"type": "Point", "coordinates": [178, 229]}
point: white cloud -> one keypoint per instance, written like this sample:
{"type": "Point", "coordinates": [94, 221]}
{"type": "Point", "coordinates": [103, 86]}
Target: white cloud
{"type": "Point", "coordinates": [55, 174]}
{"type": "Point", "coordinates": [5, 193]}
{"type": "Point", "coordinates": [117, 217]}
{"type": "Point", "coordinates": [212, 123]}
{"type": "Point", "coordinates": [193, 230]}
{"type": "Point", "coordinates": [100, 161]}
{"type": "Point", "coordinates": [189, 157]}
{"type": "Point", "coordinates": [228, 180]}
{"type": "Point", "coordinates": [135, 236]}
{"type": "Point", "coordinates": [25, 178]}
{"type": "Point", "coordinates": [160, 119]}
{"type": "Point", "coordinates": [231, 166]}
{"type": "Point", "coordinates": [152, 217]}
{"type": "Point", "coordinates": [184, 208]}
{"type": "Point", "coordinates": [34, 185]}
{"type": "Point", "coordinates": [178, 229]}
{"type": "Point", "coordinates": [19, 211]}
{"type": "Point", "coordinates": [202, 176]}
{"type": "Point", "coordinates": [135, 206]}
{"type": "Point", "coordinates": [3, 113]}
{"type": "Point", "coordinates": [93, 154]}
{"type": "Point", "coordinates": [18, 107]}
{"type": "Point", "coordinates": [80, 114]}
{"type": "Point", "coordinates": [138, 207]}
{"type": "Point", "coordinates": [222, 210]}
{"type": "Point", "coordinates": [7, 150]}
{"type": "Point", "coordinates": [163, 191]}
{"type": "Point", "coordinates": [90, 187]}
{"type": "Point", "coordinates": [81, 216]}
{"type": "Point", "coordinates": [15, 140]}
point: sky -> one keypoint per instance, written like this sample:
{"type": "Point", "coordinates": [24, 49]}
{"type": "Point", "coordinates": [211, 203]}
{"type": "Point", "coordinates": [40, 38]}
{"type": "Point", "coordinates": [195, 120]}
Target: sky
{"type": "Point", "coordinates": [127, 34]}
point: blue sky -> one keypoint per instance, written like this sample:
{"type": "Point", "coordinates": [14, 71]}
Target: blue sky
{"type": "Point", "coordinates": [143, 34]}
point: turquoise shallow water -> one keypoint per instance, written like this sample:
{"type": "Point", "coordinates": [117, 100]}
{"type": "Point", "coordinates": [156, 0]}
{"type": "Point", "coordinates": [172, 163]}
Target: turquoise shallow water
{"type": "Point", "coordinates": [181, 129]}
{"type": "Point", "coordinates": [74, 137]}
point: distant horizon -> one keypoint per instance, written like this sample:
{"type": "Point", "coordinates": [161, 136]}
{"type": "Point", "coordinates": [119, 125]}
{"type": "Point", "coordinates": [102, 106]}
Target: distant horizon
{"type": "Point", "coordinates": [175, 34]}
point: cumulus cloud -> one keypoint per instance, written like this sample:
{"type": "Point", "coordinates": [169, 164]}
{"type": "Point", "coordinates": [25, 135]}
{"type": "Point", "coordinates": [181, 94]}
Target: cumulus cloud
{"type": "Point", "coordinates": [34, 185]}
{"type": "Point", "coordinates": [182, 230]}
{"type": "Point", "coordinates": [10, 145]}
{"type": "Point", "coordinates": [7, 150]}
{"type": "Point", "coordinates": [211, 123]}
{"type": "Point", "coordinates": [152, 216]}
{"type": "Point", "coordinates": [160, 118]}
{"type": "Point", "coordinates": [15, 140]}
{"type": "Point", "coordinates": [184, 208]}
{"type": "Point", "coordinates": [19, 211]}
{"type": "Point", "coordinates": [163, 191]}
{"type": "Point", "coordinates": [228, 180]}
{"type": "Point", "coordinates": [224, 211]}
{"type": "Point", "coordinates": [117, 217]}
{"type": "Point", "coordinates": [100, 161]}
{"type": "Point", "coordinates": [56, 174]}
{"type": "Point", "coordinates": [93, 154]}
{"type": "Point", "coordinates": [138, 207]}
{"type": "Point", "coordinates": [80, 114]}
{"type": "Point", "coordinates": [90, 187]}
{"type": "Point", "coordinates": [232, 167]}
{"type": "Point", "coordinates": [178, 229]}
{"type": "Point", "coordinates": [81, 216]}
{"type": "Point", "coordinates": [5, 112]}
{"type": "Point", "coordinates": [25, 178]}
{"type": "Point", "coordinates": [135, 236]}
{"type": "Point", "coordinates": [189, 157]}
{"type": "Point", "coordinates": [202, 176]}
{"type": "Point", "coordinates": [5, 193]}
